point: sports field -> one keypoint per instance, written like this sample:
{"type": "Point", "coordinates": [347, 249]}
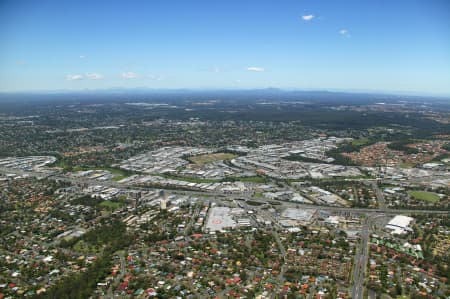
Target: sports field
{"type": "Point", "coordinates": [111, 204]}
{"type": "Point", "coordinates": [209, 158]}
{"type": "Point", "coordinates": [424, 195]}
{"type": "Point", "coordinates": [361, 141]}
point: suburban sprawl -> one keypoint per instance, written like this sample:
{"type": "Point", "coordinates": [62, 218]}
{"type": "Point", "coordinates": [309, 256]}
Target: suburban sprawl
{"type": "Point", "coordinates": [279, 195]}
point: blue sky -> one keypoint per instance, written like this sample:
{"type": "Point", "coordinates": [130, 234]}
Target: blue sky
{"type": "Point", "coordinates": [378, 45]}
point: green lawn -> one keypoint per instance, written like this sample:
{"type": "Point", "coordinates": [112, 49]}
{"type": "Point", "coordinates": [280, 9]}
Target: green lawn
{"type": "Point", "coordinates": [84, 247]}
{"type": "Point", "coordinates": [407, 165]}
{"type": "Point", "coordinates": [361, 141]}
{"type": "Point", "coordinates": [424, 195]}
{"type": "Point", "coordinates": [209, 158]}
{"type": "Point", "coordinates": [254, 203]}
{"type": "Point", "coordinates": [117, 173]}
{"type": "Point", "coordinates": [249, 179]}
{"type": "Point", "coordinates": [110, 204]}
{"type": "Point", "coordinates": [189, 179]}
{"type": "Point", "coordinates": [258, 195]}
{"type": "Point", "coordinates": [119, 177]}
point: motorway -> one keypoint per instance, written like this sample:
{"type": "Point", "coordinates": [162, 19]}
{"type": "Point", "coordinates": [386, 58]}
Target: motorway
{"type": "Point", "coordinates": [360, 262]}
{"type": "Point", "coordinates": [218, 196]}
{"type": "Point", "coordinates": [380, 196]}
{"type": "Point", "coordinates": [280, 277]}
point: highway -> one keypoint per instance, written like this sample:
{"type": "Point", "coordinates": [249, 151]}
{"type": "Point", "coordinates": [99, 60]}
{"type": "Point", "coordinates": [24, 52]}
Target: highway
{"type": "Point", "coordinates": [362, 255]}
{"type": "Point", "coordinates": [380, 196]}
{"type": "Point", "coordinates": [217, 196]}
{"type": "Point", "coordinates": [360, 261]}
{"type": "Point", "coordinates": [280, 277]}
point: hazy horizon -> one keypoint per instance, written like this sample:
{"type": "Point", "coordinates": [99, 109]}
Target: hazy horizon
{"type": "Point", "coordinates": [150, 91]}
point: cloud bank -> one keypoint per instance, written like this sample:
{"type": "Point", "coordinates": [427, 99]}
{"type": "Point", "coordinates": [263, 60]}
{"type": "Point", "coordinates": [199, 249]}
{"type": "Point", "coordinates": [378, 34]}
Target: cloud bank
{"type": "Point", "coordinates": [255, 69]}
{"type": "Point", "coordinates": [129, 75]}
{"type": "Point", "coordinates": [307, 17]}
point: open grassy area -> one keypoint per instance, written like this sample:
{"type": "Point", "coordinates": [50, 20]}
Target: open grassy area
{"type": "Point", "coordinates": [84, 247]}
{"type": "Point", "coordinates": [258, 195]}
{"type": "Point", "coordinates": [407, 165]}
{"type": "Point", "coordinates": [118, 174]}
{"type": "Point", "coordinates": [249, 179]}
{"type": "Point", "coordinates": [189, 179]}
{"type": "Point", "coordinates": [110, 204]}
{"type": "Point", "coordinates": [209, 158]}
{"type": "Point", "coordinates": [254, 203]}
{"type": "Point", "coordinates": [359, 142]}
{"type": "Point", "coordinates": [424, 195]}
{"type": "Point", "coordinates": [119, 177]}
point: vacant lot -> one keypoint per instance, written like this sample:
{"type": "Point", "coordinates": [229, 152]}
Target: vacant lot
{"type": "Point", "coordinates": [424, 195]}
{"type": "Point", "coordinates": [209, 158]}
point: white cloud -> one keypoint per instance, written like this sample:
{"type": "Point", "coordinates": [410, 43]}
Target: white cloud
{"type": "Point", "coordinates": [219, 68]}
{"type": "Point", "coordinates": [307, 17]}
{"type": "Point", "coordinates": [344, 32]}
{"type": "Point", "coordinates": [94, 76]}
{"type": "Point", "coordinates": [255, 69]}
{"type": "Point", "coordinates": [129, 75]}
{"type": "Point", "coordinates": [74, 77]}
{"type": "Point", "coordinates": [157, 78]}
{"type": "Point", "coordinates": [82, 56]}
{"type": "Point", "coordinates": [89, 76]}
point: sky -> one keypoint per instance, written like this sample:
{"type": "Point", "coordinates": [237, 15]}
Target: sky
{"type": "Point", "coordinates": [367, 45]}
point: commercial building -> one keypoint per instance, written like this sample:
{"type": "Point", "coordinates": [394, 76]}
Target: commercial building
{"type": "Point", "coordinates": [400, 224]}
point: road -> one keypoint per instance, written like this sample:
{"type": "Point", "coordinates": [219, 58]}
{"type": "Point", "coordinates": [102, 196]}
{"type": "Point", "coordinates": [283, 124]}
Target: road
{"type": "Point", "coordinates": [360, 262]}
{"type": "Point", "coordinates": [380, 196]}
{"type": "Point", "coordinates": [217, 196]}
{"type": "Point", "coordinates": [110, 292]}
{"type": "Point", "coordinates": [280, 276]}
{"type": "Point", "coordinates": [362, 255]}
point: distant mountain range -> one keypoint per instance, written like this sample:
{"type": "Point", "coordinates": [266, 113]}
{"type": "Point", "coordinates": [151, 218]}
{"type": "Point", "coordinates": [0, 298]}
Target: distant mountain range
{"type": "Point", "coordinates": [272, 94]}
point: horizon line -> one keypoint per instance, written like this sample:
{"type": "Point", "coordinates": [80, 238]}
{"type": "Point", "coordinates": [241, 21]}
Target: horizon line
{"type": "Point", "coordinates": [228, 89]}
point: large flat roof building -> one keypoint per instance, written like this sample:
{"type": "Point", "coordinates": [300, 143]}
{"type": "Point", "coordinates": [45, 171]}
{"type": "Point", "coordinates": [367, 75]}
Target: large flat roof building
{"type": "Point", "coordinates": [400, 224]}
{"type": "Point", "coordinates": [302, 217]}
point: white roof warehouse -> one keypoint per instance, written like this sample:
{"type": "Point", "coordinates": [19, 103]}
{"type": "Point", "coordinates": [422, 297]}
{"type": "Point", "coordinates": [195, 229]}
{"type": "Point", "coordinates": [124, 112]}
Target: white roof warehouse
{"type": "Point", "coordinates": [400, 224]}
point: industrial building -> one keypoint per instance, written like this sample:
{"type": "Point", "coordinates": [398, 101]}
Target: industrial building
{"type": "Point", "coordinates": [400, 224]}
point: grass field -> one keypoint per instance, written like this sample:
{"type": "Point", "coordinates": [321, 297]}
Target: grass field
{"type": "Point", "coordinates": [83, 247]}
{"type": "Point", "coordinates": [110, 204]}
{"type": "Point", "coordinates": [361, 141]}
{"type": "Point", "coordinates": [189, 179]}
{"type": "Point", "coordinates": [119, 177]}
{"type": "Point", "coordinates": [249, 179]}
{"type": "Point", "coordinates": [407, 165]}
{"type": "Point", "coordinates": [424, 195]}
{"type": "Point", "coordinates": [254, 203]}
{"type": "Point", "coordinates": [117, 173]}
{"type": "Point", "coordinates": [209, 158]}
{"type": "Point", "coordinates": [258, 195]}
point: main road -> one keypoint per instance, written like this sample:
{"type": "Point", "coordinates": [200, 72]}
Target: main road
{"type": "Point", "coordinates": [360, 262]}
{"type": "Point", "coordinates": [379, 195]}
{"type": "Point", "coordinates": [216, 195]}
